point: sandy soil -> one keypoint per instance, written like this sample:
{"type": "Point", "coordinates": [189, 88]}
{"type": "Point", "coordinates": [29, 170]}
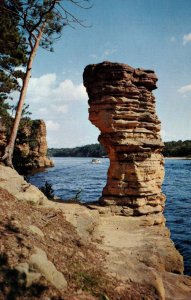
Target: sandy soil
{"type": "Point", "coordinates": [81, 263]}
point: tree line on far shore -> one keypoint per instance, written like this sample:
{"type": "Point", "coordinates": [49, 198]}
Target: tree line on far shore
{"type": "Point", "coordinates": [93, 150]}
{"type": "Point", "coordinates": [177, 149]}
{"type": "Point", "coordinates": [171, 149]}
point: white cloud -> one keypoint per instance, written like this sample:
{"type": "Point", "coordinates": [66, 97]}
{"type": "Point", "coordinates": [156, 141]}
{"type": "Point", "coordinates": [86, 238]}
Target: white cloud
{"type": "Point", "coordinates": [186, 38]}
{"type": "Point", "coordinates": [185, 89]}
{"type": "Point", "coordinates": [63, 105]}
{"type": "Point", "coordinates": [60, 108]}
{"type": "Point", "coordinates": [48, 87]}
{"type": "Point", "coordinates": [43, 110]}
{"type": "Point", "coordinates": [51, 125]}
{"type": "Point", "coordinates": [108, 52]}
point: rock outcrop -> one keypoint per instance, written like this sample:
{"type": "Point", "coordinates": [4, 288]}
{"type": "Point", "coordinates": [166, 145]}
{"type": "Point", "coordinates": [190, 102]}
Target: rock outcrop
{"type": "Point", "coordinates": [122, 106]}
{"type": "Point", "coordinates": [43, 257]}
{"type": "Point", "coordinates": [31, 145]}
{"type": "Point", "coordinates": [69, 251]}
{"type": "Point", "coordinates": [16, 186]}
{"type": "Point", "coordinates": [136, 250]}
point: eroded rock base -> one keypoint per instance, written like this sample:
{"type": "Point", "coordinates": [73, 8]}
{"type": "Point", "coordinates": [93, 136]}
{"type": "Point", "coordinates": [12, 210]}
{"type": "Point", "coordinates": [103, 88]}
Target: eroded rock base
{"type": "Point", "coordinates": [136, 250]}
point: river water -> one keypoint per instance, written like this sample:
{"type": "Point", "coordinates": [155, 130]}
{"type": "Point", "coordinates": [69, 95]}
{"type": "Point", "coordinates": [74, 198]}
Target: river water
{"type": "Point", "coordinates": [72, 174]}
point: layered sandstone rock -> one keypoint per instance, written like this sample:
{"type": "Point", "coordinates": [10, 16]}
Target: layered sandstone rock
{"type": "Point", "coordinates": [122, 106]}
{"type": "Point", "coordinates": [31, 145]}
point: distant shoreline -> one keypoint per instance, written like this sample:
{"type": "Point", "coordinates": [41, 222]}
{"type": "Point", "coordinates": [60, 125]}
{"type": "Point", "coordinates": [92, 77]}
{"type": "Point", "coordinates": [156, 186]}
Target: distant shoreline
{"type": "Point", "coordinates": [172, 150]}
{"type": "Point", "coordinates": [165, 157]}
{"type": "Point", "coordinates": [178, 158]}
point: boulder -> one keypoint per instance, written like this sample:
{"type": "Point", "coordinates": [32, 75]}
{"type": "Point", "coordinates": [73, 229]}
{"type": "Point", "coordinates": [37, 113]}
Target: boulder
{"type": "Point", "coordinates": [39, 261]}
{"type": "Point", "coordinates": [16, 185]}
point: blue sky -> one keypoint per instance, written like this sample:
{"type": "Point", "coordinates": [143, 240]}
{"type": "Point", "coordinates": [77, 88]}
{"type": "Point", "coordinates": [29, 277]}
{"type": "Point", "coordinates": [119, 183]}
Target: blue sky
{"type": "Point", "coordinates": [148, 34]}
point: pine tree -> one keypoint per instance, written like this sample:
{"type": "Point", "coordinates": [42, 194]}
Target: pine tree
{"type": "Point", "coordinates": [12, 55]}
{"type": "Point", "coordinates": [41, 22]}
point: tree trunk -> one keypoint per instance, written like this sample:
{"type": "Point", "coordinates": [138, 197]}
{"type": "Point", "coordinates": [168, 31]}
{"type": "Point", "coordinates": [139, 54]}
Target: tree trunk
{"type": "Point", "coordinates": [8, 155]}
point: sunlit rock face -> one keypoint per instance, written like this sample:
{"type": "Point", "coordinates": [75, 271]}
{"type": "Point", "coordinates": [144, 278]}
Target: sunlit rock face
{"type": "Point", "coordinates": [31, 146]}
{"type": "Point", "coordinates": [122, 106]}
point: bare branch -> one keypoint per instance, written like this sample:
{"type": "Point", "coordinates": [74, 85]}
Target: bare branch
{"type": "Point", "coordinates": [74, 19]}
{"type": "Point", "coordinates": [77, 3]}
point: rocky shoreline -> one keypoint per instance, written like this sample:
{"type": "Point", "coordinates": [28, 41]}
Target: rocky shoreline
{"type": "Point", "coordinates": [116, 249]}
{"type": "Point", "coordinates": [42, 240]}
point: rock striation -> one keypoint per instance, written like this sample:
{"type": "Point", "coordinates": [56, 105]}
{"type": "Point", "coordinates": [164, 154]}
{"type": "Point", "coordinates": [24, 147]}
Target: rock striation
{"type": "Point", "coordinates": [122, 106]}
{"type": "Point", "coordinates": [31, 146]}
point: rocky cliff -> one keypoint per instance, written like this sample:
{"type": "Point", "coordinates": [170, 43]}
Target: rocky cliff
{"type": "Point", "coordinates": [31, 146]}
{"type": "Point", "coordinates": [122, 106]}
{"type": "Point", "coordinates": [68, 251]}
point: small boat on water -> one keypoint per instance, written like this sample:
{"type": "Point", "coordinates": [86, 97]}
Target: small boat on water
{"type": "Point", "coordinates": [96, 161]}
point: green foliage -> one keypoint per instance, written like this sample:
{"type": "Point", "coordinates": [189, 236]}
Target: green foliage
{"type": "Point", "coordinates": [32, 14]}
{"type": "Point", "coordinates": [20, 25]}
{"type": "Point", "coordinates": [34, 125]}
{"type": "Point", "coordinates": [25, 110]}
{"type": "Point", "coordinates": [179, 149]}
{"type": "Point", "coordinates": [7, 119]}
{"type": "Point", "coordinates": [93, 150]}
{"type": "Point", "coordinates": [33, 144]}
{"type": "Point", "coordinates": [12, 50]}
{"type": "Point", "coordinates": [78, 196]}
{"type": "Point", "coordinates": [173, 148]}
{"type": "Point", "coordinates": [34, 23]}
{"type": "Point", "coordinates": [4, 114]}
{"type": "Point", "coordinates": [24, 123]}
{"type": "Point", "coordinates": [12, 55]}
{"type": "Point", "coordinates": [50, 16]}
{"type": "Point", "coordinates": [47, 190]}
{"type": "Point", "coordinates": [23, 163]}
{"type": "Point", "coordinates": [27, 134]}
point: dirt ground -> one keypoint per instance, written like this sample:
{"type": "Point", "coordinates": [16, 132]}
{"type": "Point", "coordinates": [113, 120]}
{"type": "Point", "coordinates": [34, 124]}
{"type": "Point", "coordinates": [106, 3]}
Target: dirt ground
{"type": "Point", "coordinates": [82, 264]}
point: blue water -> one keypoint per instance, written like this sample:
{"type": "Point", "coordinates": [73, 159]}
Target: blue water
{"type": "Point", "coordinates": [73, 174]}
{"type": "Point", "coordinates": [177, 188]}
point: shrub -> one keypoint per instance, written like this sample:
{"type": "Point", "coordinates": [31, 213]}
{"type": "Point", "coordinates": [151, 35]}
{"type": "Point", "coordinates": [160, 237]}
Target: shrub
{"type": "Point", "coordinates": [47, 190]}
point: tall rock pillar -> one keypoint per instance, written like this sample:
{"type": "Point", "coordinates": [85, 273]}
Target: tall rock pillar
{"type": "Point", "coordinates": [122, 106]}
